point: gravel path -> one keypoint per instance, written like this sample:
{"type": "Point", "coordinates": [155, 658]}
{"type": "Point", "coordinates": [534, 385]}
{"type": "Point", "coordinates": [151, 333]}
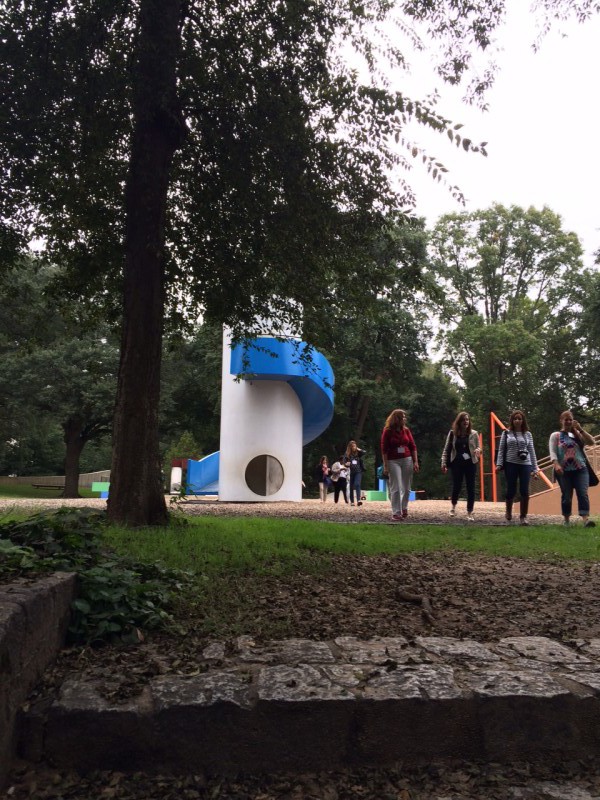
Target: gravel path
{"type": "Point", "coordinates": [421, 511]}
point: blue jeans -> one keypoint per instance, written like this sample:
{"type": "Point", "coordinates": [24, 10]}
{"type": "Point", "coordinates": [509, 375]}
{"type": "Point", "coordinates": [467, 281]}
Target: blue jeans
{"type": "Point", "coordinates": [579, 480]}
{"type": "Point", "coordinates": [513, 473]}
{"type": "Point", "coordinates": [355, 481]}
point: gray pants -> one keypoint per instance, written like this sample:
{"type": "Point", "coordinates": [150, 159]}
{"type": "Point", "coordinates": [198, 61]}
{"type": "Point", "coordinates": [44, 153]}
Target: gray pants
{"type": "Point", "coordinates": [401, 473]}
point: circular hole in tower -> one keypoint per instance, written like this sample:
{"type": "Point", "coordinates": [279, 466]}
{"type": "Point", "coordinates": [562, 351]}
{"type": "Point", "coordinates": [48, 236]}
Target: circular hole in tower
{"type": "Point", "coordinates": [264, 475]}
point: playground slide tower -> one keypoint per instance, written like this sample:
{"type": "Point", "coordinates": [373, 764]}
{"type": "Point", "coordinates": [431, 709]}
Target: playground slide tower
{"type": "Point", "coordinates": [281, 403]}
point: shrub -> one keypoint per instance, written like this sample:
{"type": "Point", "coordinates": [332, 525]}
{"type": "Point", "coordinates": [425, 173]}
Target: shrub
{"type": "Point", "coordinates": [117, 599]}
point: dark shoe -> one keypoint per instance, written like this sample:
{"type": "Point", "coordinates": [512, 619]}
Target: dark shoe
{"type": "Point", "coordinates": [404, 513]}
{"type": "Point", "coordinates": [359, 503]}
{"type": "Point", "coordinates": [508, 515]}
{"type": "Point", "coordinates": [589, 523]}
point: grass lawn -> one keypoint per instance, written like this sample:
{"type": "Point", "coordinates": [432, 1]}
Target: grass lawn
{"type": "Point", "coordinates": [24, 491]}
{"type": "Point", "coordinates": [260, 544]}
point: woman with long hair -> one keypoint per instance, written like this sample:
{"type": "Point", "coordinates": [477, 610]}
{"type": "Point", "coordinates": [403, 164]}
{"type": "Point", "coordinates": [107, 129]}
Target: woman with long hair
{"type": "Point", "coordinates": [400, 460]}
{"type": "Point", "coordinates": [516, 456]}
{"type": "Point", "coordinates": [322, 477]}
{"type": "Point", "coordinates": [570, 467]}
{"type": "Point", "coordinates": [461, 453]}
{"type": "Point", "coordinates": [353, 459]}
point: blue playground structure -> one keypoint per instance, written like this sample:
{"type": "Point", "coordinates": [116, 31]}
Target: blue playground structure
{"type": "Point", "coordinates": [304, 369]}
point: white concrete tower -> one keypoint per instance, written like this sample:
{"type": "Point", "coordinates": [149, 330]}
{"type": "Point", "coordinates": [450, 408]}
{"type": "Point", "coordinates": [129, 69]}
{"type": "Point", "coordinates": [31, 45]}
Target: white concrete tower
{"type": "Point", "coordinates": [261, 434]}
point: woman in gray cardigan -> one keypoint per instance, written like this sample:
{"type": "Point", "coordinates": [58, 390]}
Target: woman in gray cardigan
{"type": "Point", "coordinates": [461, 455]}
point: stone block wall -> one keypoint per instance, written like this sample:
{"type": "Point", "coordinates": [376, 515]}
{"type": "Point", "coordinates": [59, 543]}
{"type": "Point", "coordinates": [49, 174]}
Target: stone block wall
{"type": "Point", "coordinates": [33, 623]}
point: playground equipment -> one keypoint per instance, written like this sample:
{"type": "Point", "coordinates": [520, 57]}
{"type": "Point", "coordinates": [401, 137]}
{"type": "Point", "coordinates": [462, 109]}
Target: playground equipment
{"type": "Point", "coordinates": [277, 395]}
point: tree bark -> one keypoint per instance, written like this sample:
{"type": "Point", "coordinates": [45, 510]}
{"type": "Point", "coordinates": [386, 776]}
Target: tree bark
{"type": "Point", "coordinates": [74, 442]}
{"type": "Point", "coordinates": [362, 418]}
{"type": "Point", "coordinates": [136, 491]}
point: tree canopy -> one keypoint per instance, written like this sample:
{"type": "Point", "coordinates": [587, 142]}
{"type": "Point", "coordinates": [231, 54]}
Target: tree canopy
{"type": "Point", "coordinates": [506, 284]}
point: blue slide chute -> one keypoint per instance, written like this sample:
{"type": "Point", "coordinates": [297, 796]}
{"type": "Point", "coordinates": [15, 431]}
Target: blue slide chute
{"type": "Point", "coordinates": [203, 475]}
{"type": "Point", "coordinates": [305, 369]}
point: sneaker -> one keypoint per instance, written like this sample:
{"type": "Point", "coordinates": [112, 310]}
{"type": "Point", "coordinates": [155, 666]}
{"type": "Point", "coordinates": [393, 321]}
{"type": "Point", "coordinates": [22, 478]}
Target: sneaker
{"type": "Point", "coordinates": [359, 503]}
{"type": "Point", "coordinates": [566, 523]}
{"type": "Point", "coordinates": [452, 512]}
{"type": "Point", "coordinates": [589, 523]}
{"type": "Point", "coordinates": [470, 518]}
{"type": "Point", "coordinates": [404, 513]}
{"type": "Point", "coordinates": [351, 504]}
{"type": "Point", "coordinates": [397, 517]}
{"type": "Point", "coordinates": [523, 521]}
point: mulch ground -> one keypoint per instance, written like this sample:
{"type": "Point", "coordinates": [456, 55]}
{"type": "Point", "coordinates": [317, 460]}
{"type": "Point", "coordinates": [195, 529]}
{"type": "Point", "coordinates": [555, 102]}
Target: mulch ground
{"type": "Point", "coordinates": [471, 596]}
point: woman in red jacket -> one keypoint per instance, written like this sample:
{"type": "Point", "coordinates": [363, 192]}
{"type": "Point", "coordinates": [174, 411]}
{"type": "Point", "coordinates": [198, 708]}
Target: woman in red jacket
{"type": "Point", "coordinates": [399, 453]}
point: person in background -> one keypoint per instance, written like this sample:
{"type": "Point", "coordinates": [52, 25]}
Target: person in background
{"type": "Point", "coordinates": [353, 460]}
{"type": "Point", "coordinates": [516, 456]}
{"type": "Point", "coordinates": [339, 475]}
{"type": "Point", "coordinates": [461, 453]}
{"type": "Point", "coordinates": [400, 460]}
{"type": "Point", "coordinates": [322, 477]}
{"type": "Point", "coordinates": [570, 467]}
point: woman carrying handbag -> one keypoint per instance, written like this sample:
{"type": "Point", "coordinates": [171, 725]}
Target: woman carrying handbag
{"type": "Point", "coordinates": [571, 467]}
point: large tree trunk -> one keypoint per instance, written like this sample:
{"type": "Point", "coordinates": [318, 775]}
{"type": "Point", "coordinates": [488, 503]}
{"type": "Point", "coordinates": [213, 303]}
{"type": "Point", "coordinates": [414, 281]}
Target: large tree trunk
{"type": "Point", "coordinates": [75, 442]}
{"type": "Point", "coordinates": [136, 492]}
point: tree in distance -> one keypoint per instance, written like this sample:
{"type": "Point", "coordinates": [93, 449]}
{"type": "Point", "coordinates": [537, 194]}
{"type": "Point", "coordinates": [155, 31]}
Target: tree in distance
{"type": "Point", "coordinates": [54, 369]}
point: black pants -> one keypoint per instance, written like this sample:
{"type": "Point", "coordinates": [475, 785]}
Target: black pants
{"type": "Point", "coordinates": [339, 486]}
{"type": "Point", "coordinates": [461, 468]}
{"type": "Point", "coordinates": [513, 473]}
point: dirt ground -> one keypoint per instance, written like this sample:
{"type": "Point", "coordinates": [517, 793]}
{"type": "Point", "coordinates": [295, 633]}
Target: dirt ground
{"type": "Point", "coordinates": [472, 596]}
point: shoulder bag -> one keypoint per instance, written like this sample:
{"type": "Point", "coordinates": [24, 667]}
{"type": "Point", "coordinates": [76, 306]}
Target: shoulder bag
{"type": "Point", "coordinates": [594, 480]}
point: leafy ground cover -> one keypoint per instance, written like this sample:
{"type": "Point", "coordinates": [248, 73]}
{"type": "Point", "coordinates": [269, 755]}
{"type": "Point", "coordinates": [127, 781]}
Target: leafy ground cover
{"type": "Point", "coordinates": [117, 597]}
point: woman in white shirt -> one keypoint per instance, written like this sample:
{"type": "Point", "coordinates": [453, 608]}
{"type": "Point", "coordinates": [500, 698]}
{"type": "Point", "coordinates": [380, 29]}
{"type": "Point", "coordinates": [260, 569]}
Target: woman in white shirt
{"type": "Point", "coordinates": [516, 456]}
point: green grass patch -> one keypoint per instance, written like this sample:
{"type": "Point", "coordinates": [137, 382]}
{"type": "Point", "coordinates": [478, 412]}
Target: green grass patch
{"type": "Point", "coordinates": [23, 491]}
{"type": "Point", "coordinates": [217, 544]}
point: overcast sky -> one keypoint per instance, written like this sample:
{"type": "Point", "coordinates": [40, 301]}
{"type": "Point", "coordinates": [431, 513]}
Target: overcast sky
{"type": "Point", "coordinates": [542, 129]}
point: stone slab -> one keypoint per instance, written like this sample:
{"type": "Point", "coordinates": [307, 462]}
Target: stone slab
{"type": "Point", "coordinates": [350, 702]}
{"type": "Point", "coordinates": [33, 624]}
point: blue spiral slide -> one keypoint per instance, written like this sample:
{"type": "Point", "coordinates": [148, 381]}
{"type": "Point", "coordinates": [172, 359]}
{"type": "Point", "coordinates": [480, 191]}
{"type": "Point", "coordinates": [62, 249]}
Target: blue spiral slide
{"type": "Point", "coordinates": [308, 373]}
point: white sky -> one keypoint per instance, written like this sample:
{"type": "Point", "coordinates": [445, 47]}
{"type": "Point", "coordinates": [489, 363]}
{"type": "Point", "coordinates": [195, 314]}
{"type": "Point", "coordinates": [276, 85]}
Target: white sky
{"type": "Point", "coordinates": [542, 128]}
